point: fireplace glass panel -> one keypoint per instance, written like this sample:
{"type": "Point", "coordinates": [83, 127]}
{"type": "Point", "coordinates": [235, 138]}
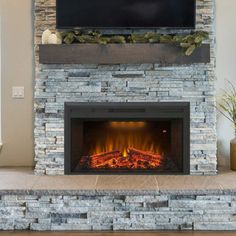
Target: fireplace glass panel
{"type": "Point", "coordinates": [127, 145]}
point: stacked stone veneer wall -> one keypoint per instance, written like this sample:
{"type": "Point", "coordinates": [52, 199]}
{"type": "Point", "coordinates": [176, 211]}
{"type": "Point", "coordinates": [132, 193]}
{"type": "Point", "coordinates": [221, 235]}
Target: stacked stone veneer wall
{"type": "Point", "coordinates": [117, 212]}
{"type": "Point", "coordinates": [56, 84]}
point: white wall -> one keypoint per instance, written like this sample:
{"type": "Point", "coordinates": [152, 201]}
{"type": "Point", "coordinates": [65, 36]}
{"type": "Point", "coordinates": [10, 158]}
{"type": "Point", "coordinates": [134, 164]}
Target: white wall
{"type": "Point", "coordinates": [0, 84]}
{"type": "Point", "coordinates": [225, 68]}
{"type": "Point", "coordinates": [17, 70]}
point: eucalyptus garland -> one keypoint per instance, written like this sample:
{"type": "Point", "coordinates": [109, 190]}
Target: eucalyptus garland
{"type": "Point", "coordinates": [188, 42]}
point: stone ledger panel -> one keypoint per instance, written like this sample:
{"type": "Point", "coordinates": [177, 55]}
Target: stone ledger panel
{"type": "Point", "coordinates": [117, 212]}
{"type": "Point", "coordinates": [56, 84]}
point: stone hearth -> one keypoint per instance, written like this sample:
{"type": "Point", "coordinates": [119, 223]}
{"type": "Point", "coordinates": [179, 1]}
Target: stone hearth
{"type": "Point", "coordinates": [56, 84]}
{"type": "Point", "coordinates": [30, 202]}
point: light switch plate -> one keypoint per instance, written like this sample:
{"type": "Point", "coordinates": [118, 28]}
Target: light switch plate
{"type": "Point", "coordinates": [18, 92]}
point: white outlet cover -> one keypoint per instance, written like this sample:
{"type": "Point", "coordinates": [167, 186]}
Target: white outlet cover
{"type": "Point", "coordinates": [18, 92]}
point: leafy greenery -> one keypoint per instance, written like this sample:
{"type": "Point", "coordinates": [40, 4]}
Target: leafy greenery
{"type": "Point", "coordinates": [187, 42]}
{"type": "Point", "coordinates": [228, 104]}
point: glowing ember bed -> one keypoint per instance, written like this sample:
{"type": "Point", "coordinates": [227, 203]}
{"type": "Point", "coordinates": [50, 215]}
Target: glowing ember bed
{"type": "Point", "coordinates": [129, 138]}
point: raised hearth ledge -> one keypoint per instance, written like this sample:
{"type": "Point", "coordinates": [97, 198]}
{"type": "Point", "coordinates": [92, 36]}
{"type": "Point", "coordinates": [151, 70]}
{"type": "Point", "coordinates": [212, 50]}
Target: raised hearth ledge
{"type": "Point", "coordinates": [116, 203]}
{"type": "Point", "coordinates": [120, 54]}
{"type": "Point", "coordinates": [23, 181]}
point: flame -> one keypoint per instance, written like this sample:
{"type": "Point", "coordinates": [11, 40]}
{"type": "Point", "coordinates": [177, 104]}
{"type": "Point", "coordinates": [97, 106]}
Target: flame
{"type": "Point", "coordinates": [122, 135]}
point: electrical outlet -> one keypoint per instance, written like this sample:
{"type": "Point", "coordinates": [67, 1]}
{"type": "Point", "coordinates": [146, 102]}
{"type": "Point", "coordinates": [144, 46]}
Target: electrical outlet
{"type": "Point", "coordinates": [18, 92]}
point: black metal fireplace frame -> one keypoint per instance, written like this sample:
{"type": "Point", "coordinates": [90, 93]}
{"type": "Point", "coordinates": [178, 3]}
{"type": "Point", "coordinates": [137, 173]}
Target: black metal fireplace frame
{"type": "Point", "coordinates": [128, 111]}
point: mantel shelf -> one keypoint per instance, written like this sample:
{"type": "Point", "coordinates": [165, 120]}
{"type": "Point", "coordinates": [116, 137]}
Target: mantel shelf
{"type": "Point", "coordinates": [120, 54]}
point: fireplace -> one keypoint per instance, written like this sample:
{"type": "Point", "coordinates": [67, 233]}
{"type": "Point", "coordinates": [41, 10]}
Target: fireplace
{"type": "Point", "coordinates": [127, 138]}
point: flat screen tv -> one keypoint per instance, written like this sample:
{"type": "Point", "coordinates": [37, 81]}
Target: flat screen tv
{"type": "Point", "coordinates": [125, 14]}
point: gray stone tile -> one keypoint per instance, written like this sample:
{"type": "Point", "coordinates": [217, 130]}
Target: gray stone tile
{"type": "Point", "coordinates": [17, 178]}
{"type": "Point", "coordinates": [187, 184]}
{"type": "Point", "coordinates": [13, 180]}
{"type": "Point", "coordinates": [226, 180]}
{"type": "Point", "coordinates": [65, 183]}
{"type": "Point", "coordinates": [126, 182]}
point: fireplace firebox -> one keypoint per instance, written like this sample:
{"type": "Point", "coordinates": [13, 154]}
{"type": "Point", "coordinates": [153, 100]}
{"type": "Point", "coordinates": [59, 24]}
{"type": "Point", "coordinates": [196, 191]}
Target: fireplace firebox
{"type": "Point", "coordinates": [127, 138]}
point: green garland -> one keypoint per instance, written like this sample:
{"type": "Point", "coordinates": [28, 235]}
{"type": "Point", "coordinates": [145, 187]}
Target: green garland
{"type": "Point", "coordinates": [187, 42]}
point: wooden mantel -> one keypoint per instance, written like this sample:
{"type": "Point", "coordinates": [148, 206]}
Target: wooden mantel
{"type": "Point", "coordinates": [120, 54]}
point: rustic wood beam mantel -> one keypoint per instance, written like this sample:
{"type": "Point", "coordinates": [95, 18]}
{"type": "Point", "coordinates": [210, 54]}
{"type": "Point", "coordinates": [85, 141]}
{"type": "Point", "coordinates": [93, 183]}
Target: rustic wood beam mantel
{"type": "Point", "coordinates": [120, 54]}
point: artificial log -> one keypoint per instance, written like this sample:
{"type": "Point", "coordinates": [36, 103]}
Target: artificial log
{"type": "Point", "coordinates": [101, 158]}
{"type": "Point", "coordinates": [136, 159]}
{"type": "Point", "coordinates": [145, 154]}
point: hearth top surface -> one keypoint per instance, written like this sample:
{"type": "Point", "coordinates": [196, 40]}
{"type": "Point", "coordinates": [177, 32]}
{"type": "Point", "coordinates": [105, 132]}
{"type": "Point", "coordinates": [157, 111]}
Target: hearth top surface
{"type": "Point", "coordinates": [23, 181]}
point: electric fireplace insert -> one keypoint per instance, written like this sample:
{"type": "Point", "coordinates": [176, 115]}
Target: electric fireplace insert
{"type": "Point", "coordinates": [127, 138]}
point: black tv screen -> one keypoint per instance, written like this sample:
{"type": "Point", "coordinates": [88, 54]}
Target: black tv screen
{"type": "Point", "coordinates": [125, 14]}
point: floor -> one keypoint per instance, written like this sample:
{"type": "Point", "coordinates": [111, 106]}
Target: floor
{"type": "Point", "coordinates": [120, 234]}
{"type": "Point", "coordinates": [24, 179]}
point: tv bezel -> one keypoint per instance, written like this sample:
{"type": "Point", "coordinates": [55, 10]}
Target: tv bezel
{"type": "Point", "coordinates": [123, 27]}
